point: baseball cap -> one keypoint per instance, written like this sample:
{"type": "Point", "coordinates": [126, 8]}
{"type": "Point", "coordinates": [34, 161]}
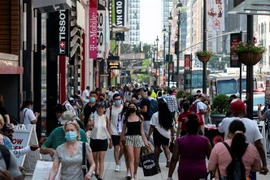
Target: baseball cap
{"type": "Point", "coordinates": [68, 116]}
{"type": "Point", "coordinates": [237, 105]}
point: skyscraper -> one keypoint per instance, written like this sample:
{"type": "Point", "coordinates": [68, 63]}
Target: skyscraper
{"type": "Point", "coordinates": [166, 9]}
{"type": "Point", "coordinates": [133, 36]}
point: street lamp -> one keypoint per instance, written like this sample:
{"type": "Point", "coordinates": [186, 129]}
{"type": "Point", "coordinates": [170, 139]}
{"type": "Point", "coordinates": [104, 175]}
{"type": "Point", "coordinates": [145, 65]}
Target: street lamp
{"type": "Point", "coordinates": [164, 31]}
{"type": "Point", "coordinates": [179, 7]}
{"type": "Point", "coordinates": [157, 63]}
{"type": "Point", "coordinates": [204, 44]}
{"type": "Point", "coordinates": [170, 19]}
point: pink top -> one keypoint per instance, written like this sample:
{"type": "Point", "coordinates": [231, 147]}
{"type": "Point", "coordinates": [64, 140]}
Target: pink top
{"type": "Point", "coordinates": [221, 156]}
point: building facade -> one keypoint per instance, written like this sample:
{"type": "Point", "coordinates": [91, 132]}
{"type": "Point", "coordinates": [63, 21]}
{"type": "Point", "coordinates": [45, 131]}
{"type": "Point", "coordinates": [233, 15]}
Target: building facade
{"type": "Point", "coordinates": [133, 36]}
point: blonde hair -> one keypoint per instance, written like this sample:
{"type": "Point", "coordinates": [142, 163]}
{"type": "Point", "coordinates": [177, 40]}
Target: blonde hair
{"type": "Point", "coordinates": [1, 120]}
{"type": "Point", "coordinates": [76, 125]}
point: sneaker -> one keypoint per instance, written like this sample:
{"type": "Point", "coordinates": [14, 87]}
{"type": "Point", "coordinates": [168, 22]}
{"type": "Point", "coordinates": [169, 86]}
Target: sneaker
{"type": "Point", "coordinates": [128, 175]}
{"type": "Point", "coordinates": [136, 177]}
{"type": "Point", "coordinates": [117, 168]}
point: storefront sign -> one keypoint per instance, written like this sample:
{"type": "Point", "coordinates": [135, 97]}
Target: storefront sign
{"type": "Point", "coordinates": [63, 32]}
{"type": "Point", "coordinates": [114, 65]}
{"type": "Point", "coordinates": [234, 60]}
{"type": "Point", "coordinates": [120, 18]}
{"type": "Point", "coordinates": [93, 25]}
{"type": "Point", "coordinates": [45, 6]}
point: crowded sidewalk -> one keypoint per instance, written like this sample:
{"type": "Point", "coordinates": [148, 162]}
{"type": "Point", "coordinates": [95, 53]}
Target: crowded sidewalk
{"type": "Point", "coordinates": [110, 174]}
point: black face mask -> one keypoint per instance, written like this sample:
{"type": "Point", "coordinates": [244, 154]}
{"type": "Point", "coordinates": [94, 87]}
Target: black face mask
{"type": "Point", "coordinates": [131, 110]}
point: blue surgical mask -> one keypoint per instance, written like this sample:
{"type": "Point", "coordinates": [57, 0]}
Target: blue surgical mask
{"type": "Point", "coordinates": [71, 136]}
{"type": "Point", "coordinates": [92, 100]}
{"type": "Point", "coordinates": [118, 102]}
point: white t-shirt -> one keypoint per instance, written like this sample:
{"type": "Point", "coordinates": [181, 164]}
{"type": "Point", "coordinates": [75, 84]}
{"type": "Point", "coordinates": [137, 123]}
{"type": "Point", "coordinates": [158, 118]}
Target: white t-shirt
{"type": "Point", "coordinates": [114, 119]}
{"type": "Point", "coordinates": [201, 105]}
{"type": "Point", "coordinates": [252, 131]}
{"type": "Point", "coordinates": [162, 131]}
{"type": "Point", "coordinates": [27, 116]}
{"type": "Point", "coordinates": [85, 94]}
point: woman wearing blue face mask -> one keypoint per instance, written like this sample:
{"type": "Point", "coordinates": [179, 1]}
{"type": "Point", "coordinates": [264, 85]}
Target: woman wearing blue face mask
{"type": "Point", "coordinates": [70, 155]}
{"type": "Point", "coordinates": [89, 108]}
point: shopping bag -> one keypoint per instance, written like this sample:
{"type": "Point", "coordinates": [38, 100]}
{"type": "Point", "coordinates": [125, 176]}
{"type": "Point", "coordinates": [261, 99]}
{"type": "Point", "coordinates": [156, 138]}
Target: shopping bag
{"type": "Point", "coordinates": [149, 164]}
{"type": "Point", "coordinates": [43, 169]}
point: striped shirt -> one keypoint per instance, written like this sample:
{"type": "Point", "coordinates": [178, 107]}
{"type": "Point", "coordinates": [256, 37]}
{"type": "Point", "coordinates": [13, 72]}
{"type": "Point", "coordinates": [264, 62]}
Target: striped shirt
{"type": "Point", "coordinates": [57, 137]}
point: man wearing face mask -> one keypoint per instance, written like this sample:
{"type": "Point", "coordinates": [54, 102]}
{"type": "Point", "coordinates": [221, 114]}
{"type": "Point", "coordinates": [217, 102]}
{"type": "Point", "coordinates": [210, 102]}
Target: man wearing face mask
{"type": "Point", "coordinates": [112, 114]}
{"type": "Point", "coordinates": [89, 108]}
{"type": "Point", "coordinates": [57, 136]}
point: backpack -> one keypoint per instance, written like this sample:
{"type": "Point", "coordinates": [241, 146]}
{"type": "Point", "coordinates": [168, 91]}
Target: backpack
{"type": "Point", "coordinates": [153, 107]}
{"type": "Point", "coordinates": [236, 169]}
{"type": "Point", "coordinates": [5, 155]}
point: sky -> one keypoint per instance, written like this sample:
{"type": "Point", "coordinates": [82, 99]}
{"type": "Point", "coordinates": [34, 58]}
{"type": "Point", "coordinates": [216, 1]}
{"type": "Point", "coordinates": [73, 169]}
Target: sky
{"type": "Point", "coordinates": [150, 21]}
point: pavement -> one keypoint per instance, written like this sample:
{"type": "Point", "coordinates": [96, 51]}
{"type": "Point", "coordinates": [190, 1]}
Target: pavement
{"type": "Point", "coordinates": [110, 174]}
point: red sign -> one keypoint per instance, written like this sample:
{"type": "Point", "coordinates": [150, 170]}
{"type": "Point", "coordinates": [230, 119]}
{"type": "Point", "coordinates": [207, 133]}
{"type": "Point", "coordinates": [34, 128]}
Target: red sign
{"type": "Point", "coordinates": [187, 61]}
{"type": "Point", "coordinates": [93, 27]}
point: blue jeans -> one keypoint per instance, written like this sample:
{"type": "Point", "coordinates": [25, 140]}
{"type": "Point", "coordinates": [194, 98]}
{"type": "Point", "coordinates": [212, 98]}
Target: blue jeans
{"type": "Point", "coordinates": [253, 175]}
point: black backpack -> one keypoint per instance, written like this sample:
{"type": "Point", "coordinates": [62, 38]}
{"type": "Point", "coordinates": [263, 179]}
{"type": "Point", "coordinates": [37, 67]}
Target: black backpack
{"type": "Point", "coordinates": [236, 169]}
{"type": "Point", "coordinates": [5, 153]}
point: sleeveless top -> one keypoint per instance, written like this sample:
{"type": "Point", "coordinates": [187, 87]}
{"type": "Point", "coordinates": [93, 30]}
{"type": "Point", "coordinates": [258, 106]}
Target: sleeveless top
{"type": "Point", "coordinates": [100, 128]}
{"type": "Point", "coordinates": [133, 128]}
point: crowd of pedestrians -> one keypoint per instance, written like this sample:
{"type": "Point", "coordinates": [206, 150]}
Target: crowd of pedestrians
{"type": "Point", "coordinates": [128, 119]}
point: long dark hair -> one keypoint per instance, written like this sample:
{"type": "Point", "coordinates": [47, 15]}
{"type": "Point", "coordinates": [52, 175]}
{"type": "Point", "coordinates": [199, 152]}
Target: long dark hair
{"type": "Point", "coordinates": [26, 103]}
{"type": "Point", "coordinates": [128, 113]}
{"type": "Point", "coordinates": [165, 118]}
{"type": "Point", "coordinates": [239, 144]}
{"type": "Point", "coordinates": [193, 124]}
{"type": "Point", "coordinates": [124, 110]}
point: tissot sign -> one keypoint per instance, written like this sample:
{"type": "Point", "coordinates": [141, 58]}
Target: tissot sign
{"type": "Point", "coordinates": [120, 17]}
{"type": "Point", "coordinates": [63, 32]}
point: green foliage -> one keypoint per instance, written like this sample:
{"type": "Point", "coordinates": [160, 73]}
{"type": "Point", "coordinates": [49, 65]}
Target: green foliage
{"type": "Point", "coordinates": [220, 104]}
{"type": "Point", "coordinates": [180, 94]}
{"type": "Point", "coordinates": [244, 47]}
{"type": "Point", "coordinates": [204, 53]}
{"type": "Point", "coordinates": [190, 98]}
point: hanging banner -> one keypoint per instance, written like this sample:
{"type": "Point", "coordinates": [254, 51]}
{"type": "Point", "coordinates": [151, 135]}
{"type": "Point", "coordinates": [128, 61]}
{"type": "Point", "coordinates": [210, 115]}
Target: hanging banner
{"type": "Point", "coordinates": [215, 15]}
{"type": "Point", "coordinates": [101, 32]}
{"type": "Point", "coordinates": [93, 25]}
{"type": "Point", "coordinates": [234, 60]}
{"type": "Point", "coordinates": [171, 67]}
{"type": "Point", "coordinates": [187, 61]}
{"type": "Point", "coordinates": [120, 18]}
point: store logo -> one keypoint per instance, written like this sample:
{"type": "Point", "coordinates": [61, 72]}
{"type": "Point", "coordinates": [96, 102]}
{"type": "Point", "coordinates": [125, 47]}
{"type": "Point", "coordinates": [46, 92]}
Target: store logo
{"type": "Point", "coordinates": [119, 13]}
{"type": "Point", "coordinates": [62, 32]}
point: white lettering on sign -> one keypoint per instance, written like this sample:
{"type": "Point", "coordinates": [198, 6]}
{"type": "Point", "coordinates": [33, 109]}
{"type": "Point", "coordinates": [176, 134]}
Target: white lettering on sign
{"type": "Point", "coordinates": [119, 13]}
{"type": "Point", "coordinates": [62, 31]}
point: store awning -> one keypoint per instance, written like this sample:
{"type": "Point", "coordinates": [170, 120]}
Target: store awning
{"type": "Point", "coordinates": [252, 7]}
{"type": "Point", "coordinates": [9, 64]}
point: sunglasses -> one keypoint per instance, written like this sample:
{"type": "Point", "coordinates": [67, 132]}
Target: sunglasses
{"type": "Point", "coordinates": [72, 122]}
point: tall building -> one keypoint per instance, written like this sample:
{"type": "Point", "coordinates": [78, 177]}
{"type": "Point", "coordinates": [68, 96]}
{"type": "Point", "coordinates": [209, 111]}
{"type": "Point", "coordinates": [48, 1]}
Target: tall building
{"type": "Point", "coordinates": [133, 36]}
{"type": "Point", "coordinates": [166, 9]}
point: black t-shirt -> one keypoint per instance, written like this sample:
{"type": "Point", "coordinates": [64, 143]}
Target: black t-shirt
{"type": "Point", "coordinates": [3, 112]}
{"type": "Point", "coordinates": [87, 111]}
{"type": "Point", "coordinates": [145, 102]}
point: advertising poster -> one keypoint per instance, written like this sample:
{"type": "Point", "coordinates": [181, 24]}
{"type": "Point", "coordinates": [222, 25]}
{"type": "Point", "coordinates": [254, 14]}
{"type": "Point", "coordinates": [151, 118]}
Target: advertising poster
{"type": "Point", "coordinates": [234, 60]}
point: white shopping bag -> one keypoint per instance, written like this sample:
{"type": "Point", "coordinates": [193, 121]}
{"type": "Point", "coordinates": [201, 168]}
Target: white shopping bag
{"type": "Point", "coordinates": [43, 169]}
